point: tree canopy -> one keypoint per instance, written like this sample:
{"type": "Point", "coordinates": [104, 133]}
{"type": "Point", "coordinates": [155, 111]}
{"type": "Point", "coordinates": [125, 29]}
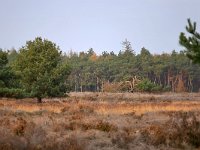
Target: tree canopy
{"type": "Point", "coordinates": [39, 63]}
{"type": "Point", "coordinates": [163, 72]}
{"type": "Point", "coordinates": [39, 69]}
{"type": "Point", "coordinates": [9, 81]}
{"type": "Point", "coordinates": [192, 42]}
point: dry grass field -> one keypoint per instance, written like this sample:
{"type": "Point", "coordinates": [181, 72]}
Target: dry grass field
{"type": "Point", "coordinates": [105, 121]}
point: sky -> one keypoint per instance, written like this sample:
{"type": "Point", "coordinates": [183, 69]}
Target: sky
{"type": "Point", "coordinates": [99, 24]}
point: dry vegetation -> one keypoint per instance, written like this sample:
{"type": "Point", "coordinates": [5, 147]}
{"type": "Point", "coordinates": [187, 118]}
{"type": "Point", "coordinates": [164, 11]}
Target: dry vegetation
{"type": "Point", "coordinates": [89, 121]}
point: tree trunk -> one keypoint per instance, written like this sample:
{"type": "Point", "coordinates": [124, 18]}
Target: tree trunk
{"type": "Point", "coordinates": [102, 86]}
{"type": "Point", "coordinates": [81, 87]}
{"type": "Point", "coordinates": [39, 100]}
{"type": "Point", "coordinates": [97, 85]}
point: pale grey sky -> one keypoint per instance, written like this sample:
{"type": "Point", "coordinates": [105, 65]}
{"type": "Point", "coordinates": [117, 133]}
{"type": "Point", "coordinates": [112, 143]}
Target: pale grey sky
{"type": "Point", "coordinates": [100, 24]}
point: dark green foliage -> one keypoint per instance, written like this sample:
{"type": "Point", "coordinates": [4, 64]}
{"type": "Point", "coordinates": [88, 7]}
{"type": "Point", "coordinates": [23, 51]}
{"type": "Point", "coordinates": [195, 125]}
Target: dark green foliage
{"type": "Point", "coordinates": [9, 85]}
{"type": "Point", "coordinates": [191, 43]}
{"type": "Point", "coordinates": [127, 48]}
{"type": "Point", "coordinates": [12, 92]}
{"type": "Point", "coordinates": [165, 70]}
{"type": "Point", "coordinates": [147, 86]}
{"type": "Point", "coordinates": [3, 58]}
{"type": "Point", "coordinates": [41, 70]}
{"type": "Point", "coordinates": [43, 74]}
{"type": "Point", "coordinates": [8, 78]}
{"type": "Point", "coordinates": [12, 56]}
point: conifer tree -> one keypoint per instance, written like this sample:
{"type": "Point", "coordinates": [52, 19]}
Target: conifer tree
{"type": "Point", "coordinates": [40, 67]}
{"type": "Point", "coordinates": [192, 42]}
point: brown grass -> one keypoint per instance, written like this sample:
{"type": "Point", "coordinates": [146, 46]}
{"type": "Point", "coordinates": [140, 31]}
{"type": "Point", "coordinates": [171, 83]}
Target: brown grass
{"type": "Point", "coordinates": [105, 121]}
{"type": "Point", "coordinates": [104, 108]}
{"type": "Point", "coordinates": [142, 108]}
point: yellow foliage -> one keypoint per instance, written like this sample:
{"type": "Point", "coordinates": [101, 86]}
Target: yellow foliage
{"type": "Point", "coordinates": [93, 57]}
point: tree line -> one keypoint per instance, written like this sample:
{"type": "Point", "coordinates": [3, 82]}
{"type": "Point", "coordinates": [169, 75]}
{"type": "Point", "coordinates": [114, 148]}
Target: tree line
{"type": "Point", "coordinates": [126, 71]}
{"type": "Point", "coordinates": [40, 69]}
{"type": "Point", "coordinates": [130, 72]}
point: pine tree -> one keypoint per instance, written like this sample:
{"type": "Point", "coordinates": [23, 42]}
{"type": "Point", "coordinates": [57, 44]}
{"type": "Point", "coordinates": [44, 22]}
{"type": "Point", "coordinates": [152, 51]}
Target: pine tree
{"type": "Point", "coordinates": [127, 48]}
{"type": "Point", "coordinates": [191, 43]}
{"type": "Point", "coordinates": [40, 66]}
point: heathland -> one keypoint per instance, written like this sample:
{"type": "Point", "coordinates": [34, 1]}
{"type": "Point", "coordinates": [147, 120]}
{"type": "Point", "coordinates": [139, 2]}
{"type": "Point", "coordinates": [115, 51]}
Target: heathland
{"type": "Point", "coordinates": [109, 121]}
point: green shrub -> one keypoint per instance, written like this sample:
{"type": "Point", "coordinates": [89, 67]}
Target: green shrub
{"type": "Point", "coordinates": [166, 88]}
{"type": "Point", "coordinates": [12, 93]}
{"type": "Point", "coordinates": [147, 86]}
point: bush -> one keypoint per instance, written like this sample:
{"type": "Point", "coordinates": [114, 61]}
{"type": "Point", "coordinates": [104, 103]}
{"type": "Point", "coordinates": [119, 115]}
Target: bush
{"type": "Point", "coordinates": [105, 126]}
{"type": "Point", "coordinates": [185, 128]}
{"type": "Point", "coordinates": [155, 135]}
{"type": "Point", "coordinates": [122, 139]}
{"type": "Point", "coordinates": [147, 86]}
{"type": "Point", "coordinates": [167, 89]}
{"type": "Point", "coordinates": [13, 93]}
{"type": "Point", "coordinates": [182, 130]}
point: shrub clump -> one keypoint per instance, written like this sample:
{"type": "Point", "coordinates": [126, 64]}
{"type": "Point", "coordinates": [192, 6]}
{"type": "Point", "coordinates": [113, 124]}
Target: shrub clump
{"type": "Point", "coordinates": [13, 93]}
{"type": "Point", "coordinates": [20, 126]}
{"type": "Point", "coordinates": [105, 126]}
{"type": "Point", "coordinates": [147, 86]}
{"type": "Point", "coordinates": [183, 129]}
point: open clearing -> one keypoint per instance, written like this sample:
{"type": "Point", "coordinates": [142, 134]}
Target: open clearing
{"type": "Point", "coordinates": [105, 121]}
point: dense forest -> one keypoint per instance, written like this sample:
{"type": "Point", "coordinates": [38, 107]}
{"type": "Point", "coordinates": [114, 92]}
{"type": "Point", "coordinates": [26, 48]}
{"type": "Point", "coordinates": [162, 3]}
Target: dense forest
{"type": "Point", "coordinates": [129, 72]}
{"type": "Point", "coordinates": [40, 69]}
